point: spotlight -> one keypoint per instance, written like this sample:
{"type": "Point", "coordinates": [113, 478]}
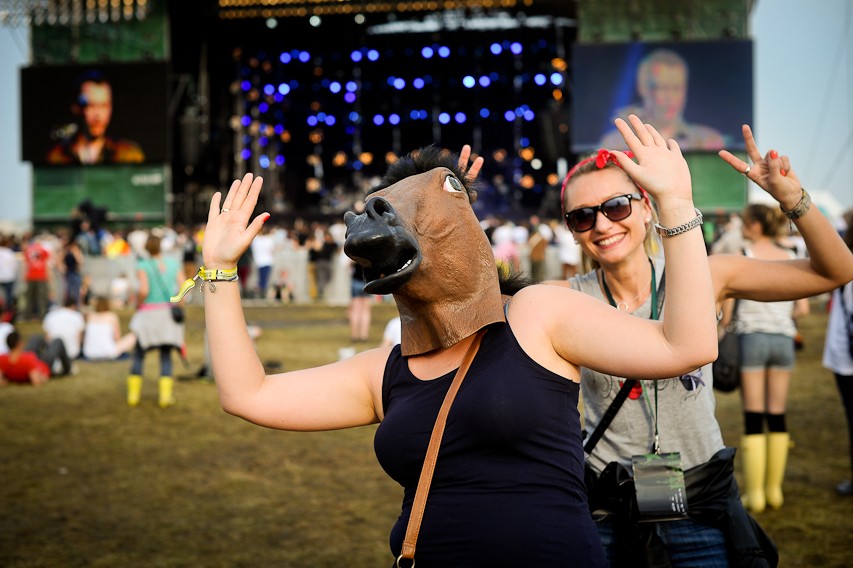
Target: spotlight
{"type": "Point", "coordinates": [272, 23]}
{"type": "Point", "coordinates": [315, 21]}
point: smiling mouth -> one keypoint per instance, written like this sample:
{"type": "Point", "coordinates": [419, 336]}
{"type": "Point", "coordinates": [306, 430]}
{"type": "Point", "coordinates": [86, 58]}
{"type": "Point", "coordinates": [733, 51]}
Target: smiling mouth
{"type": "Point", "coordinates": [610, 240]}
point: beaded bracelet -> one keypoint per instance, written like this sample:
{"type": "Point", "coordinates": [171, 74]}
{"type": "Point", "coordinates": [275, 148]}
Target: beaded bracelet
{"type": "Point", "coordinates": [205, 275]}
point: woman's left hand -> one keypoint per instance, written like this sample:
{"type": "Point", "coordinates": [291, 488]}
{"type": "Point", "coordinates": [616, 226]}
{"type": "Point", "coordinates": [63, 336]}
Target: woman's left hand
{"type": "Point", "coordinates": [772, 172]}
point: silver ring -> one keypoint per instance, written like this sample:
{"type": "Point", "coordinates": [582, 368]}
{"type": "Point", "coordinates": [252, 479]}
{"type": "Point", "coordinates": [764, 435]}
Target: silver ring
{"type": "Point", "coordinates": [226, 210]}
{"type": "Point", "coordinates": [745, 172]}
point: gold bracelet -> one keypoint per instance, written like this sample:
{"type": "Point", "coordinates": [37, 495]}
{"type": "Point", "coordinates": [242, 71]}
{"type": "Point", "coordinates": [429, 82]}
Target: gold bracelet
{"type": "Point", "coordinates": [205, 275]}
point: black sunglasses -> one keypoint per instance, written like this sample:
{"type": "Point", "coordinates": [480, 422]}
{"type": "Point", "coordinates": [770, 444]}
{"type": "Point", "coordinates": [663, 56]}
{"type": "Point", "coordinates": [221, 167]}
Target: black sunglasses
{"type": "Point", "coordinates": [616, 208]}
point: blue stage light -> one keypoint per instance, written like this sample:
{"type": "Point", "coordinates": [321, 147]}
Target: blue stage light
{"type": "Point", "coordinates": [285, 58]}
{"type": "Point", "coordinates": [524, 142]}
{"type": "Point", "coordinates": [246, 120]}
{"type": "Point", "coordinates": [372, 54]}
{"type": "Point", "coordinates": [444, 118]}
{"type": "Point", "coordinates": [539, 79]}
{"type": "Point", "coordinates": [394, 119]}
{"type": "Point", "coordinates": [529, 115]}
{"type": "Point", "coordinates": [427, 52]}
{"type": "Point", "coordinates": [356, 56]}
{"type": "Point", "coordinates": [264, 161]}
{"type": "Point", "coordinates": [515, 47]}
{"type": "Point", "coordinates": [263, 141]}
{"type": "Point", "coordinates": [284, 88]}
{"type": "Point", "coordinates": [484, 113]}
{"type": "Point", "coordinates": [311, 120]}
{"type": "Point", "coordinates": [468, 81]}
{"type": "Point", "coordinates": [279, 160]}
{"type": "Point", "coordinates": [460, 117]}
{"type": "Point", "coordinates": [349, 97]}
{"type": "Point", "coordinates": [352, 86]}
{"type": "Point", "coordinates": [422, 114]}
{"type": "Point", "coordinates": [418, 83]}
{"type": "Point", "coordinates": [278, 129]}
{"type": "Point", "coordinates": [399, 83]}
{"type": "Point", "coordinates": [414, 114]}
{"type": "Point", "coordinates": [335, 87]}
{"type": "Point", "coordinates": [304, 56]}
{"type": "Point", "coordinates": [378, 119]}
{"type": "Point", "coordinates": [496, 48]}
{"type": "Point", "coordinates": [485, 81]}
{"type": "Point", "coordinates": [444, 51]}
{"type": "Point", "coordinates": [357, 165]}
{"type": "Point", "coordinates": [246, 154]}
{"type": "Point", "coordinates": [263, 107]}
{"type": "Point", "coordinates": [269, 89]}
{"type": "Point", "coordinates": [330, 120]}
{"type": "Point", "coordinates": [556, 78]}
{"type": "Point", "coordinates": [509, 115]}
{"type": "Point", "coordinates": [245, 85]}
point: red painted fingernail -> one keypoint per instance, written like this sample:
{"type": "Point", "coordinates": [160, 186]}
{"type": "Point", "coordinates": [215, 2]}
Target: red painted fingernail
{"type": "Point", "coordinates": [774, 154]}
{"type": "Point", "coordinates": [783, 172]}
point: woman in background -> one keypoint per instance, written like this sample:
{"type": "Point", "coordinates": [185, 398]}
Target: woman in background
{"type": "Point", "coordinates": [838, 349]}
{"type": "Point", "coordinates": [102, 338]}
{"type": "Point", "coordinates": [157, 278]}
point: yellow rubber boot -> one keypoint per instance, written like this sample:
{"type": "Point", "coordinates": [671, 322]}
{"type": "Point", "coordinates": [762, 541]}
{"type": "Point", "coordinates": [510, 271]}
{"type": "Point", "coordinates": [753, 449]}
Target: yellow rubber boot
{"type": "Point", "coordinates": [777, 458]}
{"type": "Point", "coordinates": [754, 458]}
{"type": "Point", "coordinates": [134, 389]}
{"type": "Point", "coordinates": [166, 386]}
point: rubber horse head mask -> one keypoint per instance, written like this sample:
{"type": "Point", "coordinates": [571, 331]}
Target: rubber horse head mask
{"type": "Point", "coordinates": [420, 240]}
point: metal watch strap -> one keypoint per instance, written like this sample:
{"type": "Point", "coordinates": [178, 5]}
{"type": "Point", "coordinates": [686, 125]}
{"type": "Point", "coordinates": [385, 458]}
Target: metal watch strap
{"type": "Point", "coordinates": [691, 224]}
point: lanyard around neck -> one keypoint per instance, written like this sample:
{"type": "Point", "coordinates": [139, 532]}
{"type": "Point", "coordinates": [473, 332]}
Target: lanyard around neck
{"type": "Point", "coordinates": [654, 315]}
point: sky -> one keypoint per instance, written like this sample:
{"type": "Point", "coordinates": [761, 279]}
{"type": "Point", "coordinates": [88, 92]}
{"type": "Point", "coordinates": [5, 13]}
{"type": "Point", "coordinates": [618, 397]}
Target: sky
{"type": "Point", "coordinates": [803, 82]}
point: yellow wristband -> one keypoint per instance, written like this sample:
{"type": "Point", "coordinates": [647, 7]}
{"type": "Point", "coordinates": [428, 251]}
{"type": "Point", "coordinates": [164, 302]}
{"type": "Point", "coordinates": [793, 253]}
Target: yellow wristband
{"type": "Point", "coordinates": [222, 275]}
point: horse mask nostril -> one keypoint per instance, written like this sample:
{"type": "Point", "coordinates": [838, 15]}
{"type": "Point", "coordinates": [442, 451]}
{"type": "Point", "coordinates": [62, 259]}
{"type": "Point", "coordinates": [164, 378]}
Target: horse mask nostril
{"type": "Point", "coordinates": [379, 207]}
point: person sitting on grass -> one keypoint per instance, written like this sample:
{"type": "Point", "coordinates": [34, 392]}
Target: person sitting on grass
{"type": "Point", "coordinates": [33, 363]}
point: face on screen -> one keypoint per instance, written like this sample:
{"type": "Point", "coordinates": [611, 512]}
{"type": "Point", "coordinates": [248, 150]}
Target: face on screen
{"type": "Point", "coordinates": [666, 91]}
{"type": "Point", "coordinates": [97, 104]}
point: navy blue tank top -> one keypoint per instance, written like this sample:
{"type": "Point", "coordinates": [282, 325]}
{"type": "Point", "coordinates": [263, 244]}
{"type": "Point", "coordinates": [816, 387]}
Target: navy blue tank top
{"type": "Point", "coordinates": [508, 487]}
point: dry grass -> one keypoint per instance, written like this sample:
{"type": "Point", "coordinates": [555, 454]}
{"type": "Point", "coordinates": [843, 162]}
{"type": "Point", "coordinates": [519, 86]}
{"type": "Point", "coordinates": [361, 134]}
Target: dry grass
{"type": "Point", "coordinates": [87, 481]}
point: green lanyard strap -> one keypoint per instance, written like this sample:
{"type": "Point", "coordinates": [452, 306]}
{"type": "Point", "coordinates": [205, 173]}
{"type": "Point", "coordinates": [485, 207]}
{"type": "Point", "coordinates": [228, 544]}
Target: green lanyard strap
{"type": "Point", "coordinates": [654, 315]}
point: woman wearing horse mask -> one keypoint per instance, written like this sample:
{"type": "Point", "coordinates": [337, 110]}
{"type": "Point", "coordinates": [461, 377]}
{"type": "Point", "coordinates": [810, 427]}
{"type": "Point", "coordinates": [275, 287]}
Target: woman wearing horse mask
{"type": "Point", "coordinates": [508, 486]}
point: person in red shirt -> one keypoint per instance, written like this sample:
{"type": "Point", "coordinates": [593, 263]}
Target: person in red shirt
{"type": "Point", "coordinates": [24, 365]}
{"type": "Point", "coordinates": [36, 275]}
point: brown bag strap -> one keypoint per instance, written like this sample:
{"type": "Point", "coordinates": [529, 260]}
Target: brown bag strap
{"type": "Point", "coordinates": [417, 513]}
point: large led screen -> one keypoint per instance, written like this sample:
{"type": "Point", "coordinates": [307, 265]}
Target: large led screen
{"type": "Point", "coordinates": [699, 93]}
{"type": "Point", "coordinates": [101, 114]}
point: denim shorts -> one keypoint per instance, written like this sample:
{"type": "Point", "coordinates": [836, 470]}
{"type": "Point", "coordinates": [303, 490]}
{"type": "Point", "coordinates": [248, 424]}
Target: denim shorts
{"type": "Point", "coordinates": [760, 351]}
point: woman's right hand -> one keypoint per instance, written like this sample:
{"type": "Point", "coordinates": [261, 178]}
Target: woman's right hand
{"type": "Point", "coordinates": [228, 232]}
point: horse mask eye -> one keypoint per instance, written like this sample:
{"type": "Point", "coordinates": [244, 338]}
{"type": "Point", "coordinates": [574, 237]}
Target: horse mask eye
{"type": "Point", "coordinates": [453, 185]}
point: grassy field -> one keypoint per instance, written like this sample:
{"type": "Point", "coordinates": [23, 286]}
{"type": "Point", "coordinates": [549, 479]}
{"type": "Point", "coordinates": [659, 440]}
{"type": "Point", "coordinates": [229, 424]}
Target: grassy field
{"type": "Point", "coordinates": [87, 481]}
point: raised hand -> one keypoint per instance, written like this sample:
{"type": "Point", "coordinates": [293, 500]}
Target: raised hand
{"type": "Point", "coordinates": [772, 172]}
{"type": "Point", "coordinates": [660, 168]}
{"type": "Point", "coordinates": [228, 232]}
{"type": "Point", "coordinates": [472, 172]}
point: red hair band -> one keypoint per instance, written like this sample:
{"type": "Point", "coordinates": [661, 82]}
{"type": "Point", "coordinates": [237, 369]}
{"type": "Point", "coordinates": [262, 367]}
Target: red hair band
{"type": "Point", "coordinates": [601, 159]}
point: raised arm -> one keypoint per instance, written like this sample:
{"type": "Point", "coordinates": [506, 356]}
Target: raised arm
{"type": "Point", "coordinates": [590, 333]}
{"type": "Point", "coordinates": [340, 395]}
{"type": "Point", "coordinates": [830, 263]}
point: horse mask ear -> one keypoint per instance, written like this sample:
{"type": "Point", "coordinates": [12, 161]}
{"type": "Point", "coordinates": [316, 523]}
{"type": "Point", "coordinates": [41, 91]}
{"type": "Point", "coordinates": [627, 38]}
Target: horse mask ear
{"type": "Point", "coordinates": [454, 290]}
